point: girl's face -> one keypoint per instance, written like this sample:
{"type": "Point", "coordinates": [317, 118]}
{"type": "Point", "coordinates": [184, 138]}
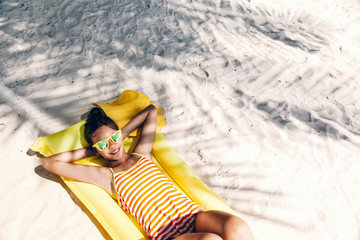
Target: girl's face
{"type": "Point", "coordinates": [115, 150]}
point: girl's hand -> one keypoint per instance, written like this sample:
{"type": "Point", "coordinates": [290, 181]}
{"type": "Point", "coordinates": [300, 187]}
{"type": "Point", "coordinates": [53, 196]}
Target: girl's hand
{"type": "Point", "coordinates": [90, 152]}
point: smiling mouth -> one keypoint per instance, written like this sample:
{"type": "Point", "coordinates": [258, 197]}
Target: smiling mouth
{"type": "Point", "coordinates": [115, 152]}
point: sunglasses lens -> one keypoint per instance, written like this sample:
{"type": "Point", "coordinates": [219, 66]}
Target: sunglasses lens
{"type": "Point", "coordinates": [102, 145]}
{"type": "Point", "coordinates": [116, 137]}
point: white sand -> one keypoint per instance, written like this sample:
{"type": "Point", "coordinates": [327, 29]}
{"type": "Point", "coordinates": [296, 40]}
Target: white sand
{"type": "Point", "coordinates": [261, 99]}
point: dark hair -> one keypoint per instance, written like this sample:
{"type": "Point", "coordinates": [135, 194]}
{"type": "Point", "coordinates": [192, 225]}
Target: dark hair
{"type": "Point", "coordinates": [96, 119]}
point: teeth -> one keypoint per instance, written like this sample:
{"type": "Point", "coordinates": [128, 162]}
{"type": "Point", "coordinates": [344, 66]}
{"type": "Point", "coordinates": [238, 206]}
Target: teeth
{"type": "Point", "coordinates": [115, 151]}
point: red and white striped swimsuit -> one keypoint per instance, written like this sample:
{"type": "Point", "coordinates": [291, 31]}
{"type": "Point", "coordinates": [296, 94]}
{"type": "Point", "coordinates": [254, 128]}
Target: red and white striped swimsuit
{"type": "Point", "coordinates": [161, 210]}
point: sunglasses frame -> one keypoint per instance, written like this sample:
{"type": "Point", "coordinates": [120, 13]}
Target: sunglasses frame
{"type": "Point", "coordinates": [107, 140]}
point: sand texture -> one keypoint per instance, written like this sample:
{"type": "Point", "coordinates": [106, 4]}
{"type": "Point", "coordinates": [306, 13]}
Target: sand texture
{"type": "Point", "coordinates": [261, 99]}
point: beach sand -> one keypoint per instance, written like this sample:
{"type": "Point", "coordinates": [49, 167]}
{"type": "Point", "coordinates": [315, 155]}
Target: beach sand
{"type": "Point", "coordinates": [261, 100]}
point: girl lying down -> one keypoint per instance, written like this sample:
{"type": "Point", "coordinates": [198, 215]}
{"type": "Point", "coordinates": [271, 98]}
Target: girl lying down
{"type": "Point", "coordinates": [144, 192]}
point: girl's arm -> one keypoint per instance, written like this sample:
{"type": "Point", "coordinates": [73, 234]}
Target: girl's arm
{"type": "Point", "coordinates": [62, 164]}
{"type": "Point", "coordinates": [147, 120]}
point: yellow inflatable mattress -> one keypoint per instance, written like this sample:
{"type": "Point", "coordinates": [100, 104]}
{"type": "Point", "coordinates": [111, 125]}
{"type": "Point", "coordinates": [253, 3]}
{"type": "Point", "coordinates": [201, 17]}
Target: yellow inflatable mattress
{"type": "Point", "coordinates": [100, 204]}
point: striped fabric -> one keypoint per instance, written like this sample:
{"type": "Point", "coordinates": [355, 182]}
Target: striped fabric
{"type": "Point", "coordinates": [160, 209]}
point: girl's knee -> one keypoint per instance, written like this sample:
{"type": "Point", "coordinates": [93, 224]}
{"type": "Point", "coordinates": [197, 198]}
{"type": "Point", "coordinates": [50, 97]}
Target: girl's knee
{"type": "Point", "coordinates": [236, 228]}
{"type": "Point", "coordinates": [225, 225]}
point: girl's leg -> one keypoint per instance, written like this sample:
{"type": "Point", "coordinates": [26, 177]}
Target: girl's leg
{"type": "Point", "coordinates": [226, 225]}
{"type": "Point", "coordinates": [198, 236]}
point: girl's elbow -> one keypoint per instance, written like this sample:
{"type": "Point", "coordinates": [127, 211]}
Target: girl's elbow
{"type": "Point", "coordinates": [46, 164]}
{"type": "Point", "coordinates": [152, 107]}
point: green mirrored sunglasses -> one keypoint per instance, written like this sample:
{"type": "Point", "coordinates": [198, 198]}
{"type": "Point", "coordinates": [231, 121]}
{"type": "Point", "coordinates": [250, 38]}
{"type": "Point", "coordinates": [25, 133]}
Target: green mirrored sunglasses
{"type": "Point", "coordinates": [103, 144]}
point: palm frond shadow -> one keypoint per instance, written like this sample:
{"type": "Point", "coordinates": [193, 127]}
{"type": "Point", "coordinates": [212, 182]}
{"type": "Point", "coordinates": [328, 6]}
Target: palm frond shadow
{"type": "Point", "coordinates": [143, 35]}
{"type": "Point", "coordinates": [124, 19]}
